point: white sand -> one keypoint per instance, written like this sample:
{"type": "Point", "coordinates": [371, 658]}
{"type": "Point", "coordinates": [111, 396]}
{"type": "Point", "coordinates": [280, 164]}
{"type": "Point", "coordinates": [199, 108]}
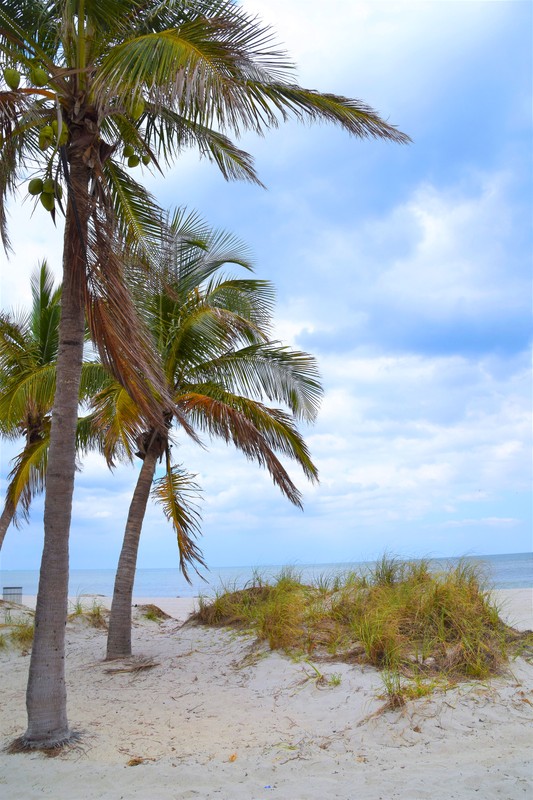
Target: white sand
{"type": "Point", "coordinates": [221, 720]}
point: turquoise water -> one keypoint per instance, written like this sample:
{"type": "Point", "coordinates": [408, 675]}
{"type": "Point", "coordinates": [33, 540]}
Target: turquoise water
{"type": "Point", "coordinates": [509, 571]}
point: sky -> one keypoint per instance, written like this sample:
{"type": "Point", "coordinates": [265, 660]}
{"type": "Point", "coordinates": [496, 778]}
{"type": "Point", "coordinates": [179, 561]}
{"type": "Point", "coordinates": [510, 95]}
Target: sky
{"type": "Point", "coordinates": [405, 270]}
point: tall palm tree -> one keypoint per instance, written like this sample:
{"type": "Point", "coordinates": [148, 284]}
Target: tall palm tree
{"type": "Point", "coordinates": [104, 79]}
{"type": "Point", "coordinates": [212, 334]}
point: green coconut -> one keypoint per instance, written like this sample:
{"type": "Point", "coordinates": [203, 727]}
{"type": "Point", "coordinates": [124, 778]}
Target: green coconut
{"type": "Point", "coordinates": [128, 151]}
{"type": "Point", "coordinates": [12, 78]}
{"type": "Point", "coordinates": [38, 76]}
{"type": "Point", "coordinates": [146, 159]}
{"type": "Point", "coordinates": [48, 201]}
{"type": "Point", "coordinates": [46, 137]}
{"type": "Point", "coordinates": [35, 186]}
{"type": "Point", "coordinates": [133, 161]}
{"type": "Point", "coordinates": [49, 186]}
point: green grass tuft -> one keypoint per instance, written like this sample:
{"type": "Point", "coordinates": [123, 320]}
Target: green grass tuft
{"type": "Point", "coordinates": [420, 627]}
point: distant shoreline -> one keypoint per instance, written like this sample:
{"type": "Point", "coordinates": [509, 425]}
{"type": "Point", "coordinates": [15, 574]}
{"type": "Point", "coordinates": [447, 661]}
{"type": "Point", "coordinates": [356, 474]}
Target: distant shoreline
{"type": "Point", "coordinates": [504, 571]}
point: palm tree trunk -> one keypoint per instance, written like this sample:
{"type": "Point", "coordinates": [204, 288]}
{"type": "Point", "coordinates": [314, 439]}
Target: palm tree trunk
{"type": "Point", "coordinates": [5, 520]}
{"type": "Point", "coordinates": [46, 699]}
{"type": "Point", "coordinates": [119, 636]}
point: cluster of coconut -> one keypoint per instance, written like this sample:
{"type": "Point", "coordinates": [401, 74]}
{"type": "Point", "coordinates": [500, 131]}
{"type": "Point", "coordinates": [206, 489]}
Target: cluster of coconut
{"type": "Point", "coordinates": [37, 76]}
{"type": "Point", "coordinates": [133, 159]}
{"type": "Point", "coordinates": [48, 135]}
{"type": "Point", "coordinates": [48, 189]}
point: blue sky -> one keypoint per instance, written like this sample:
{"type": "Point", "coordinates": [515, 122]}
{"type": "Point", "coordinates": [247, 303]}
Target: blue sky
{"type": "Point", "coordinates": [404, 270]}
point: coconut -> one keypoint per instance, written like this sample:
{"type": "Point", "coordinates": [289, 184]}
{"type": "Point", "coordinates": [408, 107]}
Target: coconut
{"type": "Point", "coordinates": [48, 201]}
{"type": "Point", "coordinates": [38, 76]}
{"type": "Point", "coordinates": [133, 161]}
{"type": "Point", "coordinates": [146, 159]}
{"type": "Point", "coordinates": [35, 186]}
{"type": "Point", "coordinates": [46, 137]}
{"type": "Point", "coordinates": [128, 151]}
{"type": "Point", "coordinates": [49, 186]}
{"type": "Point", "coordinates": [12, 78]}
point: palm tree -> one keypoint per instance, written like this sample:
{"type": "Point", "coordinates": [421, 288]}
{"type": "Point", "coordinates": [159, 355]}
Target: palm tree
{"type": "Point", "coordinates": [28, 355]}
{"type": "Point", "coordinates": [28, 350]}
{"type": "Point", "coordinates": [212, 334]}
{"type": "Point", "coordinates": [150, 77]}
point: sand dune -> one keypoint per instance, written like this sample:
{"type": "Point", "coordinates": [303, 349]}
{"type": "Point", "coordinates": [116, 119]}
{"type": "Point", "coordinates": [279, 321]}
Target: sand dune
{"type": "Point", "coordinates": [215, 716]}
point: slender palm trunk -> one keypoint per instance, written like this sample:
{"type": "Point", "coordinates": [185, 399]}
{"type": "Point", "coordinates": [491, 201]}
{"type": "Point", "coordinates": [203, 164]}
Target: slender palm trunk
{"type": "Point", "coordinates": [46, 700]}
{"type": "Point", "coordinates": [5, 520]}
{"type": "Point", "coordinates": [119, 636]}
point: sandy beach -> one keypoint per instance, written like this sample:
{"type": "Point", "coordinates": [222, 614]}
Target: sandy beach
{"type": "Point", "coordinates": [213, 715]}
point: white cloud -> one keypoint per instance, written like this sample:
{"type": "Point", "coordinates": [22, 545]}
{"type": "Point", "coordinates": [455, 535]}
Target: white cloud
{"type": "Point", "coordinates": [490, 522]}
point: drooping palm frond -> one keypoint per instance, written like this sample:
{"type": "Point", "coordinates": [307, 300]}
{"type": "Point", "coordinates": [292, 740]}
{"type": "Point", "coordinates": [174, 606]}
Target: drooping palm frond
{"type": "Point", "coordinates": [169, 133]}
{"type": "Point", "coordinates": [124, 344]}
{"type": "Point", "coordinates": [27, 476]}
{"type": "Point", "coordinates": [138, 215]}
{"type": "Point", "coordinates": [233, 426]}
{"type": "Point", "coordinates": [231, 417]}
{"type": "Point", "coordinates": [177, 492]}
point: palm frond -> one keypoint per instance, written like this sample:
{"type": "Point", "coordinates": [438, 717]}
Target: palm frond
{"type": "Point", "coordinates": [138, 215]}
{"type": "Point", "coordinates": [27, 477]}
{"type": "Point", "coordinates": [32, 391]}
{"type": "Point", "coordinates": [275, 427]}
{"type": "Point", "coordinates": [176, 491]}
{"type": "Point", "coordinates": [234, 426]}
{"type": "Point", "coordinates": [115, 419]}
{"type": "Point", "coordinates": [268, 370]}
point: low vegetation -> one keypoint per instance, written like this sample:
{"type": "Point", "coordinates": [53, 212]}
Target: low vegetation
{"type": "Point", "coordinates": [421, 628]}
{"type": "Point", "coordinates": [152, 613]}
{"type": "Point", "coordinates": [95, 616]}
{"type": "Point", "coordinates": [17, 626]}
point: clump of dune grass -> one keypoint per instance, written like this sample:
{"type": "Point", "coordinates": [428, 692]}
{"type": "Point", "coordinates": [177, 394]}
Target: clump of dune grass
{"type": "Point", "coordinates": [413, 623]}
{"type": "Point", "coordinates": [153, 613]}
{"type": "Point", "coordinates": [22, 632]}
{"type": "Point", "coordinates": [95, 616]}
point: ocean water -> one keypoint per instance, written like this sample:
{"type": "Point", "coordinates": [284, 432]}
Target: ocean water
{"type": "Point", "coordinates": [509, 571]}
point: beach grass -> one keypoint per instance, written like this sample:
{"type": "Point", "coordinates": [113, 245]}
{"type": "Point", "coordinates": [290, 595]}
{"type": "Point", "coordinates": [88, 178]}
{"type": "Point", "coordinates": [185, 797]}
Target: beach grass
{"type": "Point", "coordinates": [22, 632]}
{"type": "Point", "coordinates": [95, 615]}
{"type": "Point", "coordinates": [420, 627]}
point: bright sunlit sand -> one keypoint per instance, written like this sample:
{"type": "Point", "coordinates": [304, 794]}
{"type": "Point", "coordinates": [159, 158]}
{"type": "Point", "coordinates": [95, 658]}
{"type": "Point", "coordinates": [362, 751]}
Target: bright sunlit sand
{"type": "Point", "coordinates": [203, 713]}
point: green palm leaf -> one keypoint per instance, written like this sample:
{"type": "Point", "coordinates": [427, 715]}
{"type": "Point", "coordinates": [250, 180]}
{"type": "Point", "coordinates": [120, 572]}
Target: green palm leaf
{"type": "Point", "coordinates": [176, 492]}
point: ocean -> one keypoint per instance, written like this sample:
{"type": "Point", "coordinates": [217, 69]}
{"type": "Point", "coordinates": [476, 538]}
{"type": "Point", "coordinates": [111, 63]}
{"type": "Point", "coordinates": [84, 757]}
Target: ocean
{"type": "Point", "coordinates": [508, 571]}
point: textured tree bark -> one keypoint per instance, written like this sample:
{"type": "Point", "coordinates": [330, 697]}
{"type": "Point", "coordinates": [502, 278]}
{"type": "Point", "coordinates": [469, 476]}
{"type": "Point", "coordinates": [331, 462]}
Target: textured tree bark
{"type": "Point", "coordinates": [119, 635]}
{"type": "Point", "coordinates": [46, 700]}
